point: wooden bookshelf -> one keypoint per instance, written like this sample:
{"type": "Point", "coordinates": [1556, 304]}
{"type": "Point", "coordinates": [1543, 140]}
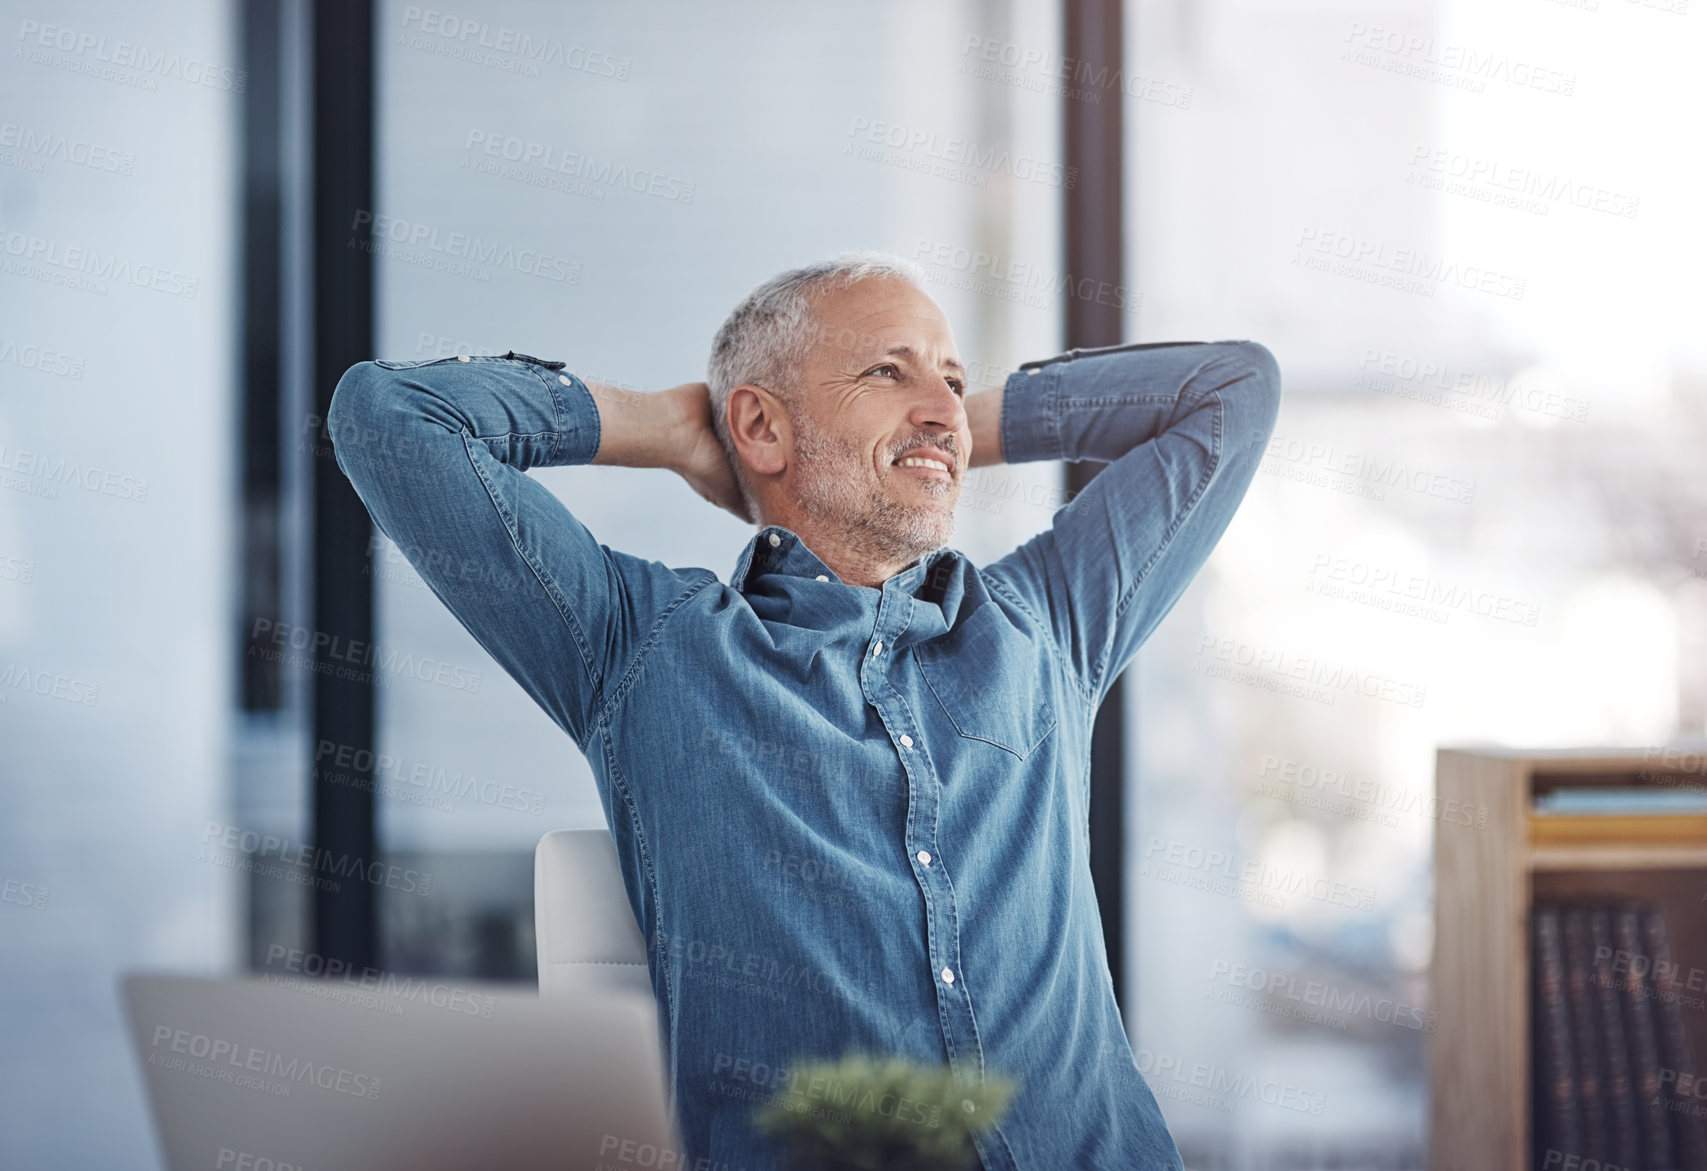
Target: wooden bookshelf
{"type": "Point", "coordinates": [1487, 875]}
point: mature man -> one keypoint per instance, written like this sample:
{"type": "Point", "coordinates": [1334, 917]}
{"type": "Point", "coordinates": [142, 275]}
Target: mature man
{"type": "Point", "coordinates": [849, 789]}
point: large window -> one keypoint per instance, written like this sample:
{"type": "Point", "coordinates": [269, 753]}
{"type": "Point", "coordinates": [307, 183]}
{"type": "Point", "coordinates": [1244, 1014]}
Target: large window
{"type": "Point", "coordinates": [601, 184]}
{"type": "Point", "coordinates": [1462, 230]}
{"type": "Point", "coordinates": [117, 473]}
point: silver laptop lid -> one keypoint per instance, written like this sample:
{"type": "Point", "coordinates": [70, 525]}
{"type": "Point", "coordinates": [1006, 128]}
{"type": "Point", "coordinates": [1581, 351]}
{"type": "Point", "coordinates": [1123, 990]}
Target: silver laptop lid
{"type": "Point", "coordinates": [259, 1074]}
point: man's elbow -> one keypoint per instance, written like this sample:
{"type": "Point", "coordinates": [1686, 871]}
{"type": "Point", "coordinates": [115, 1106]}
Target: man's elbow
{"type": "Point", "coordinates": [1258, 384]}
{"type": "Point", "coordinates": [352, 417]}
{"type": "Point", "coordinates": [356, 394]}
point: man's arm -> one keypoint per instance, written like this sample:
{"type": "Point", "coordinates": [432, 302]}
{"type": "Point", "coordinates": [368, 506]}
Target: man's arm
{"type": "Point", "coordinates": [984, 420]}
{"type": "Point", "coordinates": [438, 452]}
{"type": "Point", "coordinates": [1183, 426]}
{"type": "Point", "coordinates": [668, 429]}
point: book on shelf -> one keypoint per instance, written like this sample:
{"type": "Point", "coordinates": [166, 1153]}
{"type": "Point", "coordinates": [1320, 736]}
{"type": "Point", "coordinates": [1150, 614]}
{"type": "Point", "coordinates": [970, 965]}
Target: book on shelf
{"type": "Point", "coordinates": [1620, 801]}
{"type": "Point", "coordinates": [1557, 1104]}
{"type": "Point", "coordinates": [1613, 1067]}
{"type": "Point", "coordinates": [1585, 1028]}
{"type": "Point", "coordinates": [1684, 1096]}
{"type": "Point", "coordinates": [1644, 1043]}
{"type": "Point", "coordinates": [1624, 1142]}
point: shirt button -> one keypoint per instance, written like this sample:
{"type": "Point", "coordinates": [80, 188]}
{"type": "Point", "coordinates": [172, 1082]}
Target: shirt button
{"type": "Point", "coordinates": [948, 976]}
{"type": "Point", "coordinates": [821, 577]}
{"type": "Point", "coordinates": [564, 379]}
{"type": "Point", "coordinates": [462, 357]}
{"type": "Point", "coordinates": [906, 741]}
{"type": "Point", "coordinates": [775, 540]}
{"type": "Point", "coordinates": [877, 650]}
{"type": "Point", "coordinates": [924, 857]}
{"type": "Point", "coordinates": [966, 1104]}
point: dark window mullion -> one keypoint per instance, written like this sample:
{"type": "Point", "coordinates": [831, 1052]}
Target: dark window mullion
{"type": "Point", "coordinates": [1094, 253]}
{"type": "Point", "coordinates": [343, 707]}
{"type": "Point", "coordinates": [260, 570]}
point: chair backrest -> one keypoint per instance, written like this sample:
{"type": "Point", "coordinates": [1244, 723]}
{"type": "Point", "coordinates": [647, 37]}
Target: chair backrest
{"type": "Point", "coordinates": [584, 931]}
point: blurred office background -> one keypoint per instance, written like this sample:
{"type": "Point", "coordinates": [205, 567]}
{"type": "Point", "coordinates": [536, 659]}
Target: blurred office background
{"type": "Point", "coordinates": [1471, 233]}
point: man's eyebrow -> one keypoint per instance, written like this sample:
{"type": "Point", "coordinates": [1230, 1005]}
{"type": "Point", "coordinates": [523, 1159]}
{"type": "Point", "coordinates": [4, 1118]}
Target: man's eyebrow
{"type": "Point", "coordinates": [907, 352]}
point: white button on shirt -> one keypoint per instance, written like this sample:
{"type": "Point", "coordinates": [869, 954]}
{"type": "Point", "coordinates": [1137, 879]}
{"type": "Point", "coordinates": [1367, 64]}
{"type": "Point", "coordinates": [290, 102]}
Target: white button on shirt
{"type": "Point", "coordinates": [877, 650]}
{"type": "Point", "coordinates": [564, 379]}
{"type": "Point", "coordinates": [775, 540]}
{"type": "Point", "coordinates": [906, 741]}
{"type": "Point", "coordinates": [924, 857]}
{"type": "Point", "coordinates": [462, 357]}
{"type": "Point", "coordinates": [947, 976]}
{"type": "Point", "coordinates": [821, 577]}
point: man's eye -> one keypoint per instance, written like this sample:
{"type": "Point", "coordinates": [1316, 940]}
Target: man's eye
{"type": "Point", "coordinates": [959, 386]}
{"type": "Point", "coordinates": [889, 366]}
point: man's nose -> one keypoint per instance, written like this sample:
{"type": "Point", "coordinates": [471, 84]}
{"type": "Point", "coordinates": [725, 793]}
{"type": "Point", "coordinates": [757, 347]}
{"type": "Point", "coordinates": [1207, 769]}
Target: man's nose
{"type": "Point", "coordinates": [939, 406]}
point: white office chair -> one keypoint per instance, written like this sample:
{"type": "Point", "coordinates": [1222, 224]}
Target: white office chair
{"type": "Point", "coordinates": [587, 938]}
{"type": "Point", "coordinates": [589, 945]}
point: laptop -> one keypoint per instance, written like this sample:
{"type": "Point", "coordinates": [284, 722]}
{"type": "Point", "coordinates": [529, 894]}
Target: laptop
{"type": "Point", "coordinates": [300, 1074]}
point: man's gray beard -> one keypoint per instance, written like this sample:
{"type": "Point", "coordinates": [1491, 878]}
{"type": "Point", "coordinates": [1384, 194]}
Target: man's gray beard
{"type": "Point", "coordinates": [835, 490]}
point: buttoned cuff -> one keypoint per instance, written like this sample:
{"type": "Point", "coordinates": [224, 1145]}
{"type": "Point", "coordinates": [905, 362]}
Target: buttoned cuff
{"type": "Point", "coordinates": [578, 423]}
{"type": "Point", "coordinates": [1031, 415]}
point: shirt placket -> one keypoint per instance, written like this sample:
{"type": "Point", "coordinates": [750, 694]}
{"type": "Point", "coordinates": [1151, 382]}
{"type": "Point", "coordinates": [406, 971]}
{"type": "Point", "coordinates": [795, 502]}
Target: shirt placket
{"type": "Point", "coordinates": [925, 853]}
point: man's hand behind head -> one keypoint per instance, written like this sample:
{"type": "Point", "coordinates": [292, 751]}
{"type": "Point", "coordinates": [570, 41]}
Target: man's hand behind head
{"type": "Point", "coordinates": [667, 429]}
{"type": "Point", "coordinates": [703, 462]}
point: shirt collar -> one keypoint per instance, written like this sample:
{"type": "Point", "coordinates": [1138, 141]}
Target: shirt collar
{"type": "Point", "coordinates": [775, 549]}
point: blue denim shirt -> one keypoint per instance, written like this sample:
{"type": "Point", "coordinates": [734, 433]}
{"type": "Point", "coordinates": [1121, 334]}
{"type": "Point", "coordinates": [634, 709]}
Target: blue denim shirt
{"type": "Point", "coordinates": [847, 817]}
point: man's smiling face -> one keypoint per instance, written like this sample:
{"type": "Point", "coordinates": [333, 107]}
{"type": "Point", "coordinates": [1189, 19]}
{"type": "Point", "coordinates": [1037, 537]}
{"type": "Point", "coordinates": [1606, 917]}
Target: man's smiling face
{"type": "Point", "coordinates": [881, 441]}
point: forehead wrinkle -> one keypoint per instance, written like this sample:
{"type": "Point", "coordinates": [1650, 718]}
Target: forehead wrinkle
{"type": "Point", "coordinates": [851, 336]}
{"type": "Point", "coordinates": [906, 351]}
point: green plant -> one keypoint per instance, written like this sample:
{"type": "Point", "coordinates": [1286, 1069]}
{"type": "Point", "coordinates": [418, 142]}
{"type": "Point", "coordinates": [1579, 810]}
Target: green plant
{"type": "Point", "coordinates": [866, 1113]}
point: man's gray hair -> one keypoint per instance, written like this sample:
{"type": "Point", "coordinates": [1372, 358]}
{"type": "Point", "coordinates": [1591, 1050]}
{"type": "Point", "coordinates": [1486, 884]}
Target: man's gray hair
{"type": "Point", "coordinates": [766, 339]}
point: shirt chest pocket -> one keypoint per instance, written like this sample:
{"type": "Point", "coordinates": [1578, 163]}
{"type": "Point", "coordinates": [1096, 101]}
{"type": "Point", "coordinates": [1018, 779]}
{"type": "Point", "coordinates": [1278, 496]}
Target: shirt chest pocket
{"type": "Point", "coordinates": [986, 675]}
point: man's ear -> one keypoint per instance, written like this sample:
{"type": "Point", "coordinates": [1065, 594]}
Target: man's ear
{"type": "Point", "coordinates": [760, 428]}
